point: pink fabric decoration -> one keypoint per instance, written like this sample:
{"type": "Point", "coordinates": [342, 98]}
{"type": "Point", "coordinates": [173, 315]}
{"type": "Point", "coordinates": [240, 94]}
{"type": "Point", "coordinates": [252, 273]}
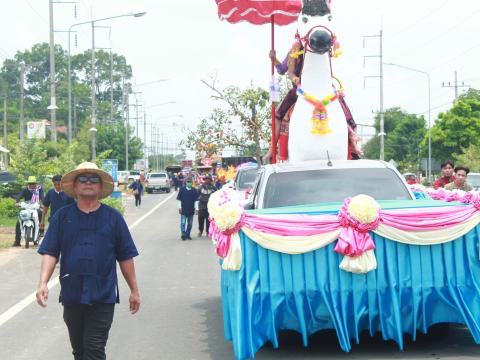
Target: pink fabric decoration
{"type": "Point", "coordinates": [292, 224]}
{"type": "Point", "coordinates": [222, 238]}
{"type": "Point", "coordinates": [354, 238]}
{"type": "Point", "coordinates": [422, 219]}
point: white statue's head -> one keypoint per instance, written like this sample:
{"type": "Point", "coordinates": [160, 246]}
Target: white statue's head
{"type": "Point", "coordinates": [314, 26]}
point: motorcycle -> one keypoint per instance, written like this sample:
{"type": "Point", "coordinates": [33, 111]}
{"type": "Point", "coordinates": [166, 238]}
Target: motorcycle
{"type": "Point", "coordinates": [29, 222]}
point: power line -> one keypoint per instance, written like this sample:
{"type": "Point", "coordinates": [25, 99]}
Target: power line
{"type": "Point", "coordinates": [36, 12]}
{"type": "Point", "coordinates": [438, 36]}
{"type": "Point", "coordinates": [416, 22]}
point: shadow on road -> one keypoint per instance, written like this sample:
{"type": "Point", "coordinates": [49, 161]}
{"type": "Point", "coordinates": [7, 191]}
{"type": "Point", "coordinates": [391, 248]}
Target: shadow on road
{"type": "Point", "coordinates": [217, 347]}
{"type": "Point", "coordinates": [324, 344]}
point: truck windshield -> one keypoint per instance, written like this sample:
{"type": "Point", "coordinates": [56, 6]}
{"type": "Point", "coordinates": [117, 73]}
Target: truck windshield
{"type": "Point", "coordinates": [246, 179]}
{"type": "Point", "coordinates": [332, 185]}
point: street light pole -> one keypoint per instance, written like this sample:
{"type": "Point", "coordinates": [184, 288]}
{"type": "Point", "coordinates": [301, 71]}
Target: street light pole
{"type": "Point", "coordinates": [429, 161]}
{"type": "Point", "coordinates": [92, 22]}
{"type": "Point", "coordinates": [93, 129]}
{"type": "Point", "coordinates": [53, 105]}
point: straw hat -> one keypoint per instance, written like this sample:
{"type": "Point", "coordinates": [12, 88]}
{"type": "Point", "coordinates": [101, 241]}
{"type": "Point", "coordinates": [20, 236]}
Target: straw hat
{"type": "Point", "coordinates": [87, 168]}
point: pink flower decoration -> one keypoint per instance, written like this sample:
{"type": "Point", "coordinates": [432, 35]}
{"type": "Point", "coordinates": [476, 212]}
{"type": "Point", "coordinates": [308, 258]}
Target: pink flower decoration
{"type": "Point", "coordinates": [354, 238]}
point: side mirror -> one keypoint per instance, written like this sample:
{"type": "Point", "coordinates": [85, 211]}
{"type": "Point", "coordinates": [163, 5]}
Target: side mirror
{"type": "Point", "coordinates": [249, 205]}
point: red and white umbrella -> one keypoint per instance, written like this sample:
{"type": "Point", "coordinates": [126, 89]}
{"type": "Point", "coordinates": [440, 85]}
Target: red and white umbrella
{"type": "Point", "coordinates": [259, 12]}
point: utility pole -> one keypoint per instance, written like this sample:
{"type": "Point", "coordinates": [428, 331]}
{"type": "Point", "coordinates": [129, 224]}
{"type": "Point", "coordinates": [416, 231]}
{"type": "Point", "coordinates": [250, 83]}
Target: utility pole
{"type": "Point", "coordinates": [93, 129]}
{"type": "Point", "coordinates": [53, 105]}
{"type": "Point", "coordinates": [111, 86]}
{"type": "Point", "coordinates": [145, 137]}
{"type": "Point", "coordinates": [127, 131]}
{"type": "Point", "coordinates": [380, 76]}
{"type": "Point", "coordinates": [5, 128]}
{"type": "Point", "coordinates": [22, 98]}
{"type": "Point", "coordinates": [455, 85]}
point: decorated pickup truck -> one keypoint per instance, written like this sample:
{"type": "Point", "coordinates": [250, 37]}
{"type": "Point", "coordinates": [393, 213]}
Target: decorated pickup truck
{"type": "Point", "coordinates": [351, 250]}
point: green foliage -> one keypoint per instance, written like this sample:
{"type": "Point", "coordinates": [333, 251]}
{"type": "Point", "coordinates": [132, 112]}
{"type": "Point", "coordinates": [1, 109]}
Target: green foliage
{"type": "Point", "coordinates": [33, 157]}
{"type": "Point", "coordinates": [9, 190]}
{"type": "Point", "coordinates": [111, 144]}
{"type": "Point", "coordinates": [404, 134]}
{"type": "Point", "coordinates": [37, 85]}
{"type": "Point", "coordinates": [470, 158]}
{"type": "Point", "coordinates": [114, 203]}
{"type": "Point", "coordinates": [458, 128]}
{"type": "Point", "coordinates": [8, 208]}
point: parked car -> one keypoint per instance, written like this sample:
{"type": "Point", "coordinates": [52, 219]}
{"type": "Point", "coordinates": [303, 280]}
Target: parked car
{"type": "Point", "coordinates": [122, 176]}
{"type": "Point", "coordinates": [474, 179]}
{"type": "Point", "coordinates": [157, 181]}
{"type": "Point", "coordinates": [316, 182]}
{"type": "Point", "coordinates": [6, 178]}
{"type": "Point", "coordinates": [133, 175]}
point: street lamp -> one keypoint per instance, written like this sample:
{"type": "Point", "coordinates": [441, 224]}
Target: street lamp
{"type": "Point", "coordinates": [429, 162]}
{"type": "Point", "coordinates": [93, 129]}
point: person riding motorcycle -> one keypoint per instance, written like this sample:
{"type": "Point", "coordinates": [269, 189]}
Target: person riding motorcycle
{"type": "Point", "coordinates": [31, 193]}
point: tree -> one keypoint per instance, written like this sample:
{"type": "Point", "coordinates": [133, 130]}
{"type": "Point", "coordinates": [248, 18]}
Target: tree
{"type": "Point", "coordinates": [457, 129]}
{"type": "Point", "coordinates": [404, 134]}
{"type": "Point", "coordinates": [111, 138]}
{"type": "Point", "coordinates": [37, 84]}
{"type": "Point", "coordinates": [470, 158]}
{"type": "Point", "coordinates": [249, 107]}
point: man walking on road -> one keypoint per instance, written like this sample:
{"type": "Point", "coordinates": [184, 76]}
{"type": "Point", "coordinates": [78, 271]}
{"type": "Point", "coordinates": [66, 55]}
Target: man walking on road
{"type": "Point", "coordinates": [204, 192]}
{"type": "Point", "coordinates": [90, 237]}
{"type": "Point", "coordinates": [187, 207]}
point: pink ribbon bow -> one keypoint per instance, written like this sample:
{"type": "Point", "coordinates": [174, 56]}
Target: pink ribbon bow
{"type": "Point", "coordinates": [354, 238]}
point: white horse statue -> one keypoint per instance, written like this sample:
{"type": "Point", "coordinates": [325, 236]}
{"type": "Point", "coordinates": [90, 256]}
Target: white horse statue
{"type": "Point", "coordinates": [316, 135]}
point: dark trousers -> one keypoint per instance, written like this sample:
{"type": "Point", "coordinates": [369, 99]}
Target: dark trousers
{"type": "Point", "coordinates": [203, 220]}
{"type": "Point", "coordinates": [138, 199]}
{"type": "Point", "coordinates": [88, 327]}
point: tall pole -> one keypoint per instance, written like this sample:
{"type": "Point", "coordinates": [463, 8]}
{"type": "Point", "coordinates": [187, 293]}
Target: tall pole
{"type": "Point", "coordinates": [127, 131]}
{"type": "Point", "coordinates": [22, 98]}
{"type": "Point", "coordinates": [429, 133]}
{"type": "Point", "coordinates": [5, 128]}
{"type": "Point", "coordinates": [429, 130]}
{"type": "Point", "coordinates": [136, 114]}
{"type": "Point", "coordinates": [94, 104]}
{"type": "Point", "coordinates": [111, 86]}
{"type": "Point", "coordinates": [274, 130]}
{"type": "Point", "coordinates": [382, 115]}
{"type": "Point", "coordinates": [145, 157]}
{"type": "Point", "coordinates": [53, 106]}
{"type": "Point", "coordinates": [69, 90]}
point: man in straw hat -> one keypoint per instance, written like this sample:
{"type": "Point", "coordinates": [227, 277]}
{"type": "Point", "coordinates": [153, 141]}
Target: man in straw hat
{"type": "Point", "coordinates": [90, 237]}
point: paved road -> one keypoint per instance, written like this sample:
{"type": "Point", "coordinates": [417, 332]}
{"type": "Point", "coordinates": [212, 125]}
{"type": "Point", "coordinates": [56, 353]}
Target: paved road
{"type": "Point", "coordinates": [180, 317]}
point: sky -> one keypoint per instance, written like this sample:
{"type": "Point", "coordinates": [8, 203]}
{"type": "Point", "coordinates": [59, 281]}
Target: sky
{"type": "Point", "coordinates": [184, 41]}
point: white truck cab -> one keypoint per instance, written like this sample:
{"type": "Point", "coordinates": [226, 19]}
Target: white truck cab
{"type": "Point", "coordinates": [323, 181]}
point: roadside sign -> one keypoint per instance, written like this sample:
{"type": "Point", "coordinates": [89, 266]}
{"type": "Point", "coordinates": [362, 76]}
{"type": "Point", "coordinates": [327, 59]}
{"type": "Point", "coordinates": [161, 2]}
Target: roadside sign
{"type": "Point", "coordinates": [111, 166]}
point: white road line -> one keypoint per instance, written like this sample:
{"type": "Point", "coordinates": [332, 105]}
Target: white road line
{"type": "Point", "coordinates": [18, 307]}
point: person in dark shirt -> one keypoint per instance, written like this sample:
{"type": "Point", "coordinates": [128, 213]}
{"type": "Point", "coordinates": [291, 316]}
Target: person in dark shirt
{"type": "Point", "coordinates": [204, 192]}
{"type": "Point", "coordinates": [31, 193]}
{"type": "Point", "coordinates": [447, 175]}
{"type": "Point", "coordinates": [137, 189]}
{"type": "Point", "coordinates": [89, 237]}
{"type": "Point", "coordinates": [54, 200]}
{"type": "Point", "coordinates": [187, 207]}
